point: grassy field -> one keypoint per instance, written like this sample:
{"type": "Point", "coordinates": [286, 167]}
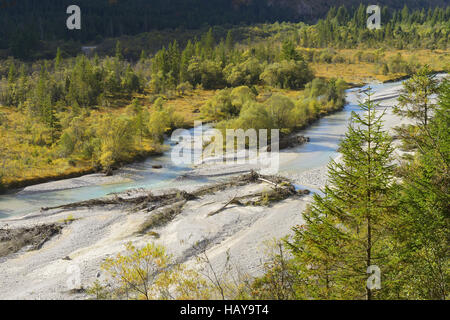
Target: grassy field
{"type": "Point", "coordinates": [188, 105]}
{"type": "Point", "coordinates": [27, 157]}
{"type": "Point", "coordinates": [358, 72]}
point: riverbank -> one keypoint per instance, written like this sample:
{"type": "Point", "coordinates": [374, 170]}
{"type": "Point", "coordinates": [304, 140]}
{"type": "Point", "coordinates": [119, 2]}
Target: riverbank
{"type": "Point", "coordinates": [358, 71]}
{"type": "Point", "coordinates": [66, 171]}
{"type": "Point", "coordinates": [94, 231]}
{"type": "Point", "coordinates": [73, 178]}
{"type": "Point", "coordinates": [209, 223]}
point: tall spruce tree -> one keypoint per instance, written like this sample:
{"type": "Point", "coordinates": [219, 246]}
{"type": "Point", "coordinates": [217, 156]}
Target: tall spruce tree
{"type": "Point", "coordinates": [416, 100]}
{"type": "Point", "coordinates": [12, 74]}
{"type": "Point", "coordinates": [229, 42]}
{"type": "Point", "coordinates": [58, 58]}
{"type": "Point", "coordinates": [119, 55]}
{"type": "Point", "coordinates": [288, 51]}
{"type": "Point", "coordinates": [50, 118]}
{"type": "Point", "coordinates": [345, 229]}
{"type": "Point", "coordinates": [422, 237]}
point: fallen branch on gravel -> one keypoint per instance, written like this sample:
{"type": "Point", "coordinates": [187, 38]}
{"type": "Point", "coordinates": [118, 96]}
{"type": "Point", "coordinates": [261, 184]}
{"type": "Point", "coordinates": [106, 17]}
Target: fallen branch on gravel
{"type": "Point", "coordinates": [152, 202]}
{"type": "Point", "coordinates": [290, 142]}
{"type": "Point", "coordinates": [13, 240]}
{"type": "Point", "coordinates": [162, 216]}
{"type": "Point", "coordinates": [222, 208]}
{"type": "Point", "coordinates": [267, 181]}
{"type": "Point", "coordinates": [140, 202]}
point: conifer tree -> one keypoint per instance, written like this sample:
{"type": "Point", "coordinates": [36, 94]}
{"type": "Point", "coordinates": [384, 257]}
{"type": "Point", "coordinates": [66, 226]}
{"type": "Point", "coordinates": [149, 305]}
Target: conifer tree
{"type": "Point", "coordinates": [58, 59]}
{"type": "Point", "coordinates": [143, 56]}
{"type": "Point", "coordinates": [345, 229]}
{"type": "Point", "coordinates": [50, 118]}
{"type": "Point", "coordinates": [422, 241]}
{"type": "Point", "coordinates": [416, 100]}
{"type": "Point", "coordinates": [119, 55]}
{"type": "Point", "coordinates": [12, 74]}
{"type": "Point", "coordinates": [140, 118]}
{"type": "Point", "coordinates": [11, 95]}
{"type": "Point", "coordinates": [186, 56]}
{"type": "Point", "coordinates": [229, 42]}
{"type": "Point", "coordinates": [208, 43]}
{"type": "Point", "coordinates": [288, 51]}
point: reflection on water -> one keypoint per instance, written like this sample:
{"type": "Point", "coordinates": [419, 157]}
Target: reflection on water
{"type": "Point", "coordinates": [325, 135]}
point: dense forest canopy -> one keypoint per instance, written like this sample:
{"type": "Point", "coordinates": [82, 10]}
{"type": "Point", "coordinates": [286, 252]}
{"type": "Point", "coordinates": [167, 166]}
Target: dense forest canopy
{"type": "Point", "coordinates": [109, 18]}
{"type": "Point", "coordinates": [339, 26]}
{"type": "Point", "coordinates": [25, 23]}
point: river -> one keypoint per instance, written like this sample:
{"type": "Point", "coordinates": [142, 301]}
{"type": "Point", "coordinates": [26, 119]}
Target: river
{"type": "Point", "coordinates": [324, 134]}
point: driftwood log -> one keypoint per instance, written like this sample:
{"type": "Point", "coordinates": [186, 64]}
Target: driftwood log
{"type": "Point", "coordinates": [152, 202]}
{"type": "Point", "coordinates": [290, 142]}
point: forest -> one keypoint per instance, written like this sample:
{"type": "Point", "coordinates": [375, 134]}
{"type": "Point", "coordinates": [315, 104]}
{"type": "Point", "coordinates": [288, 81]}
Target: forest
{"type": "Point", "coordinates": [42, 29]}
{"type": "Point", "coordinates": [61, 110]}
{"type": "Point", "coordinates": [112, 18]}
{"type": "Point", "coordinates": [240, 64]}
{"type": "Point", "coordinates": [373, 215]}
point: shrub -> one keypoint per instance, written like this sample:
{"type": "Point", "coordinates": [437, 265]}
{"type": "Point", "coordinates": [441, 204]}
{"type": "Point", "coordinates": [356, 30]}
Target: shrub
{"type": "Point", "coordinates": [287, 74]}
{"type": "Point", "coordinates": [66, 144]}
{"type": "Point", "coordinates": [184, 87]}
{"type": "Point", "coordinates": [149, 273]}
{"type": "Point", "coordinates": [227, 103]}
{"type": "Point", "coordinates": [116, 140]}
{"type": "Point", "coordinates": [245, 73]}
{"type": "Point", "coordinates": [208, 73]}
